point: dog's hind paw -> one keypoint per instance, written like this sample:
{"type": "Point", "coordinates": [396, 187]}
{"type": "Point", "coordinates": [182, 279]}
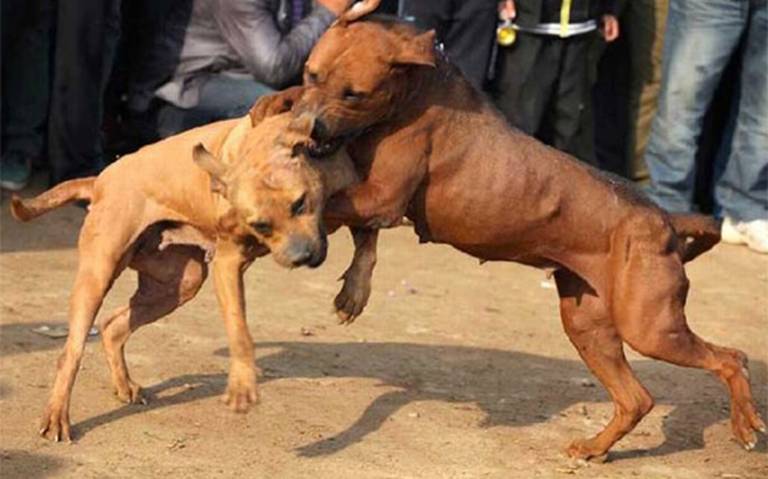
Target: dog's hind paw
{"type": "Point", "coordinates": [744, 423]}
{"type": "Point", "coordinates": [585, 449]}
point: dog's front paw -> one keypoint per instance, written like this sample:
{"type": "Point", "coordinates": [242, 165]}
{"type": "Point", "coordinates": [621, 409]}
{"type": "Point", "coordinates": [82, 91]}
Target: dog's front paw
{"type": "Point", "coordinates": [55, 423]}
{"type": "Point", "coordinates": [351, 300]}
{"type": "Point", "coordinates": [241, 392]}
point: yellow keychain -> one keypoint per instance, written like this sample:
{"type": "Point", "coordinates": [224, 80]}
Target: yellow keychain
{"type": "Point", "coordinates": [506, 33]}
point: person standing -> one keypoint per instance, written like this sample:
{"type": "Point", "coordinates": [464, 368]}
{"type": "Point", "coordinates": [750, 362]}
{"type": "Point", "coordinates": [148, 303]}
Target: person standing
{"type": "Point", "coordinates": [87, 32]}
{"type": "Point", "coordinates": [465, 27]}
{"type": "Point", "coordinates": [27, 31]}
{"type": "Point", "coordinates": [701, 38]}
{"type": "Point", "coordinates": [543, 83]}
{"type": "Point", "coordinates": [645, 23]}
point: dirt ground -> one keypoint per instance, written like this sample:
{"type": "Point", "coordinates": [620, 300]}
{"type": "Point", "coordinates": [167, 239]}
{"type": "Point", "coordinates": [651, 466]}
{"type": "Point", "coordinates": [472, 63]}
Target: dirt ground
{"type": "Point", "coordinates": [456, 370]}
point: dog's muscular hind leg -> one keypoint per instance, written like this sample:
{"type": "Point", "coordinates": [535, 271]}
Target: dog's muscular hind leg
{"type": "Point", "coordinates": [587, 323]}
{"type": "Point", "coordinates": [101, 260]}
{"type": "Point", "coordinates": [167, 279]}
{"type": "Point", "coordinates": [354, 294]}
{"type": "Point", "coordinates": [650, 318]}
{"type": "Point", "coordinates": [229, 264]}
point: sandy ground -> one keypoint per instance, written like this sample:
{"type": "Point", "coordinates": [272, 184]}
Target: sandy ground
{"type": "Point", "coordinates": [456, 370]}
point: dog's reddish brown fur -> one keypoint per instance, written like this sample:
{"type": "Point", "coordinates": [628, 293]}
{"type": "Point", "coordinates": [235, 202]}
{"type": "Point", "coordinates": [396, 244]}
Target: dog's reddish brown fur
{"type": "Point", "coordinates": [436, 151]}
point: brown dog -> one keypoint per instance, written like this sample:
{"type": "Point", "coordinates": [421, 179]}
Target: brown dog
{"type": "Point", "coordinates": [435, 150]}
{"type": "Point", "coordinates": [157, 213]}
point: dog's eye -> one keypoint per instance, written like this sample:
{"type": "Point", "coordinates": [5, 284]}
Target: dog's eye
{"type": "Point", "coordinates": [311, 78]}
{"type": "Point", "coordinates": [352, 95]}
{"type": "Point", "coordinates": [299, 206]}
{"type": "Point", "coordinates": [264, 228]}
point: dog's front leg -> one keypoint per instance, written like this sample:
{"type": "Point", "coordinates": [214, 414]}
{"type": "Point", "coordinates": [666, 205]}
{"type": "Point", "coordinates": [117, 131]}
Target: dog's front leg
{"type": "Point", "coordinates": [354, 294]}
{"type": "Point", "coordinates": [370, 205]}
{"type": "Point", "coordinates": [391, 180]}
{"type": "Point", "coordinates": [229, 264]}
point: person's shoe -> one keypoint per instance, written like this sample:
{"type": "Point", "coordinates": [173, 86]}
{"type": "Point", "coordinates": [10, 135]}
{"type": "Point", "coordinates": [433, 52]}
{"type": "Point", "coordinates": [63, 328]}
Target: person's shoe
{"type": "Point", "coordinates": [15, 170]}
{"type": "Point", "coordinates": [754, 234]}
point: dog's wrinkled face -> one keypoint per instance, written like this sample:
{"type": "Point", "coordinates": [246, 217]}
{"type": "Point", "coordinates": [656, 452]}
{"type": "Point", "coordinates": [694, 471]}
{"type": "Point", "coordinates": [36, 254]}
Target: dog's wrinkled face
{"type": "Point", "coordinates": [278, 199]}
{"type": "Point", "coordinates": [356, 76]}
{"type": "Point", "coordinates": [282, 206]}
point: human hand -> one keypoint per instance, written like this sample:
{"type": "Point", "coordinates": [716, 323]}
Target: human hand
{"type": "Point", "coordinates": [336, 6]}
{"type": "Point", "coordinates": [610, 28]}
{"type": "Point", "coordinates": [507, 10]}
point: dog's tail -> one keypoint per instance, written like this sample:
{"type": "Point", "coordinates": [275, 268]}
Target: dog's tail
{"type": "Point", "coordinates": [61, 194]}
{"type": "Point", "coordinates": [697, 233]}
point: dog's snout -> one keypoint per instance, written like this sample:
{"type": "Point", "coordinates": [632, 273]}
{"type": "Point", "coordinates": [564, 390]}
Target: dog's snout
{"type": "Point", "coordinates": [300, 255]}
{"type": "Point", "coordinates": [306, 252]}
{"type": "Point", "coordinates": [318, 257]}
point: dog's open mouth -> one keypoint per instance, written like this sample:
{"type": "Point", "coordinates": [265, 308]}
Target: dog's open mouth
{"type": "Point", "coordinates": [318, 150]}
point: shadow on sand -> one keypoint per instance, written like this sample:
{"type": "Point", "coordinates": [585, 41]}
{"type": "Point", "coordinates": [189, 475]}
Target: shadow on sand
{"type": "Point", "coordinates": [18, 338]}
{"type": "Point", "coordinates": [482, 377]}
{"type": "Point", "coordinates": [17, 463]}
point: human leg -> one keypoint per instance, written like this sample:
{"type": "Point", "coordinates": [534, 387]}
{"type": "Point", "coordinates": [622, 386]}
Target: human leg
{"type": "Point", "coordinates": [221, 97]}
{"type": "Point", "coordinates": [742, 190]}
{"type": "Point", "coordinates": [524, 81]}
{"type": "Point", "coordinates": [86, 40]}
{"type": "Point", "coordinates": [700, 39]}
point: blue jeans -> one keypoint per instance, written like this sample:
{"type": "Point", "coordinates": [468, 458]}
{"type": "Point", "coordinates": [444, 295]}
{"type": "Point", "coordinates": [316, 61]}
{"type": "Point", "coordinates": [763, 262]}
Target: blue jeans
{"type": "Point", "coordinates": [221, 97]}
{"type": "Point", "coordinates": [701, 37]}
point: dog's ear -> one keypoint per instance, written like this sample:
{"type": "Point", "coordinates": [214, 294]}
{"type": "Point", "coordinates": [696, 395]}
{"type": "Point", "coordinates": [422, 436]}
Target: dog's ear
{"type": "Point", "coordinates": [418, 51]}
{"type": "Point", "coordinates": [211, 165]}
{"type": "Point", "coordinates": [274, 104]}
{"type": "Point", "coordinates": [297, 136]}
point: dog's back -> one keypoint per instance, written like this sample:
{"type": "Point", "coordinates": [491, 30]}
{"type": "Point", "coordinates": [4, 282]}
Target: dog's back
{"type": "Point", "coordinates": [163, 167]}
{"type": "Point", "coordinates": [165, 173]}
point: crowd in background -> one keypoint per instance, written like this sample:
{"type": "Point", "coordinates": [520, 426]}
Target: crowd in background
{"type": "Point", "coordinates": [669, 93]}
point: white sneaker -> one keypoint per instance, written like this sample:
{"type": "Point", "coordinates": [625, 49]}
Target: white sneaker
{"type": "Point", "coordinates": [752, 233]}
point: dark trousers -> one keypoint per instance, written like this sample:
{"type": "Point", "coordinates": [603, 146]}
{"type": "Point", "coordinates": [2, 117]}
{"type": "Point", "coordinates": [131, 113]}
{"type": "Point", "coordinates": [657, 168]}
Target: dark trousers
{"type": "Point", "coordinates": [467, 28]}
{"type": "Point", "coordinates": [543, 87]}
{"type": "Point", "coordinates": [26, 47]}
{"type": "Point", "coordinates": [86, 41]}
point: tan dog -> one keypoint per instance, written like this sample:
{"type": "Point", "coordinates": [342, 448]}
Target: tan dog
{"type": "Point", "coordinates": [434, 149]}
{"type": "Point", "coordinates": [156, 212]}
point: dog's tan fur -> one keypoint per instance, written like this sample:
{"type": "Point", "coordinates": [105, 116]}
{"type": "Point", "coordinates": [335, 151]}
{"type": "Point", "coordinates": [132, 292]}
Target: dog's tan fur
{"type": "Point", "coordinates": [167, 210]}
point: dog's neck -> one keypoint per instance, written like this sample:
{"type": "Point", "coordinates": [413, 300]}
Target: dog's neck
{"type": "Point", "coordinates": [442, 87]}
